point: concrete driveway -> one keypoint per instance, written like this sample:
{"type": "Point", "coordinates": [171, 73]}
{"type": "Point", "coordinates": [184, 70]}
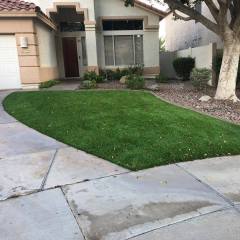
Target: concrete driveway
{"type": "Point", "coordinates": [51, 191]}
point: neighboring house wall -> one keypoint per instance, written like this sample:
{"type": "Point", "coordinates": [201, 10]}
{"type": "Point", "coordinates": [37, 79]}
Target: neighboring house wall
{"type": "Point", "coordinates": [181, 34]}
{"type": "Point", "coordinates": [115, 9]}
{"type": "Point", "coordinates": [47, 53]}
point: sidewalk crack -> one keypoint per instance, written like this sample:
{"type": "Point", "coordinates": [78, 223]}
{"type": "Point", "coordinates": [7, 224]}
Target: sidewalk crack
{"type": "Point", "coordinates": [49, 169]}
{"type": "Point", "coordinates": [74, 215]}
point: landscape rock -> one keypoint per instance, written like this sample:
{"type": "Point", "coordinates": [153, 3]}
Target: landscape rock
{"type": "Point", "coordinates": [189, 97]}
{"type": "Point", "coordinates": [153, 87]}
{"type": "Point", "coordinates": [123, 80]}
{"type": "Point", "coordinates": [205, 98]}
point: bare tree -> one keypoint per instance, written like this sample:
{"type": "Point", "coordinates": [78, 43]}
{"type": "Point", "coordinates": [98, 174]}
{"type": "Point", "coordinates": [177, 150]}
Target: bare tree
{"type": "Point", "coordinates": [225, 22]}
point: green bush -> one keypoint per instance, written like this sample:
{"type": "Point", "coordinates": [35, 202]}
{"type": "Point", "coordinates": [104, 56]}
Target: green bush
{"type": "Point", "coordinates": [160, 78]}
{"type": "Point", "coordinates": [135, 81]}
{"type": "Point", "coordinates": [217, 63]}
{"type": "Point", "coordinates": [111, 75]}
{"type": "Point", "coordinates": [117, 74]}
{"type": "Point", "coordinates": [48, 84]}
{"type": "Point", "coordinates": [135, 69]}
{"type": "Point", "coordinates": [183, 67]}
{"type": "Point", "coordinates": [89, 84]}
{"type": "Point", "coordinates": [92, 76]}
{"type": "Point", "coordinates": [200, 78]}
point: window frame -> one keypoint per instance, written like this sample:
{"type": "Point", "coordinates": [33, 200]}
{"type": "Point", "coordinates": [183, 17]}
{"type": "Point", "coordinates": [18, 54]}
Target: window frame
{"type": "Point", "coordinates": [114, 34]}
{"type": "Point", "coordinates": [140, 20]}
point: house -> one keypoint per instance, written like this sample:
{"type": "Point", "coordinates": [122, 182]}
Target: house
{"type": "Point", "coordinates": [49, 39]}
{"type": "Point", "coordinates": [187, 34]}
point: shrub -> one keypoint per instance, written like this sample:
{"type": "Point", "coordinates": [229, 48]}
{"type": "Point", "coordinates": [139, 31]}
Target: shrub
{"type": "Point", "coordinates": [118, 74]}
{"type": "Point", "coordinates": [160, 78]}
{"type": "Point", "coordinates": [89, 84]}
{"type": "Point", "coordinates": [92, 76]}
{"type": "Point", "coordinates": [111, 75]}
{"type": "Point", "coordinates": [183, 67]}
{"type": "Point", "coordinates": [200, 78]}
{"type": "Point", "coordinates": [135, 69]}
{"type": "Point", "coordinates": [217, 63]}
{"type": "Point", "coordinates": [48, 84]}
{"type": "Point", "coordinates": [135, 81]}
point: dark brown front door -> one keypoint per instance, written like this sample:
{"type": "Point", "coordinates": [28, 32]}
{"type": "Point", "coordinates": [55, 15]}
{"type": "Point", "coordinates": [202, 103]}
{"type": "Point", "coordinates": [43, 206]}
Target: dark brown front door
{"type": "Point", "coordinates": [70, 57]}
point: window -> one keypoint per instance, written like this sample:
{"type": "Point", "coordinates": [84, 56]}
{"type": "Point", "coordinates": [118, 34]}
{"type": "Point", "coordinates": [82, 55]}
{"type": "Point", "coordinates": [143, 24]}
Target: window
{"type": "Point", "coordinates": [72, 26]}
{"type": "Point", "coordinates": [124, 53]}
{"type": "Point", "coordinates": [84, 51]}
{"type": "Point", "coordinates": [138, 49]}
{"type": "Point", "coordinates": [109, 55]}
{"type": "Point", "coordinates": [123, 50]}
{"type": "Point", "coordinates": [116, 25]}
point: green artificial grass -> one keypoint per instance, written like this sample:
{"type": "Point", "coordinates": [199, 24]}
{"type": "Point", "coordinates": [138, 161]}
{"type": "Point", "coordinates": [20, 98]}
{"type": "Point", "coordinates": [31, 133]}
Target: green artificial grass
{"type": "Point", "coordinates": [133, 129]}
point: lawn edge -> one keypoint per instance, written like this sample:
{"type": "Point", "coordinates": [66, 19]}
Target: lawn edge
{"type": "Point", "coordinates": [192, 109]}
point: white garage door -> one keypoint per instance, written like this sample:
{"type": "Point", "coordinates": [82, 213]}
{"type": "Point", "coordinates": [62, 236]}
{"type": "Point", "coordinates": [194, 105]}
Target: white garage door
{"type": "Point", "coordinates": [9, 66]}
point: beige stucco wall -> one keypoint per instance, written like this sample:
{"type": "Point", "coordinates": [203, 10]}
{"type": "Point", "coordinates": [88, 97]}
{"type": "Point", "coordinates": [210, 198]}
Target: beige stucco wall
{"type": "Point", "coordinates": [47, 4]}
{"type": "Point", "coordinates": [36, 62]}
{"type": "Point", "coordinates": [116, 9]}
{"type": "Point", "coordinates": [96, 9]}
{"type": "Point", "coordinates": [180, 34]}
{"type": "Point", "coordinates": [47, 52]}
{"type": "Point", "coordinates": [28, 57]}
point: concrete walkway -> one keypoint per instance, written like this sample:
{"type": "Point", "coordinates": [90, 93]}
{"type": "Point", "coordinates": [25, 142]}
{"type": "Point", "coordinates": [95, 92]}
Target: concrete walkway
{"type": "Point", "coordinates": [54, 192]}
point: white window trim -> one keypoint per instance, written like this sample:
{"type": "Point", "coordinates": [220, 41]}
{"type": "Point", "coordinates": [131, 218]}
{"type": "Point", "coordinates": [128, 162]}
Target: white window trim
{"type": "Point", "coordinates": [121, 33]}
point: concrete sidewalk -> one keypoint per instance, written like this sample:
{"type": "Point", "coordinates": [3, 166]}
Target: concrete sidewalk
{"type": "Point", "coordinates": [51, 191]}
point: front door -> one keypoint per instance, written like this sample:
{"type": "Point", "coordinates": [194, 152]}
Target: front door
{"type": "Point", "coordinates": [70, 57]}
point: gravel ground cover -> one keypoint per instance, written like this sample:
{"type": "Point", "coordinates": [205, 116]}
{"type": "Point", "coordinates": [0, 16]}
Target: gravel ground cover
{"type": "Point", "coordinates": [185, 95]}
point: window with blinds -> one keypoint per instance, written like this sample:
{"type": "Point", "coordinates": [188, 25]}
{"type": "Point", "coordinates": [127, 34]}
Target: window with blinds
{"type": "Point", "coordinates": [84, 52]}
{"type": "Point", "coordinates": [123, 50]}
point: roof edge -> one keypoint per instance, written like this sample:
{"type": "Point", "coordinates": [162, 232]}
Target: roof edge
{"type": "Point", "coordinates": [150, 8]}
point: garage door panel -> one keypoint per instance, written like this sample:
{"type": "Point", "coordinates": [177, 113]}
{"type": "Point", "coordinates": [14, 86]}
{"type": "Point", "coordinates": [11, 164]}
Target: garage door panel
{"type": "Point", "coordinates": [9, 65]}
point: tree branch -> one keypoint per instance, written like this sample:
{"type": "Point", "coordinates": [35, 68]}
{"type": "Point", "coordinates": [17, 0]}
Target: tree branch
{"type": "Point", "coordinates": [181, 17]}
{"type": "Point", "coordinates": [176, 5]}
{"type": "Point", "coordinates": [213, 9]}
{"type": "Point", "coordinates": [234, 11]}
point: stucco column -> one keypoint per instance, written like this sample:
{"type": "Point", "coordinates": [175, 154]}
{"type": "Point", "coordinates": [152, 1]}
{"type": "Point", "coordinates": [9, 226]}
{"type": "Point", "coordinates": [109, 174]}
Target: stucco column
{"type": "Point", "coordinates": [91, 46]}
{"type": "Point", "coordinates": [151, 51]}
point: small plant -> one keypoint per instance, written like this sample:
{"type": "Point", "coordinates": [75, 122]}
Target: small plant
{"type": "Point", "coordinates": [107, 74]}
{"type": "Point", "coordinates": [160, 78]}
{"type": "Point", "coordinates": [135, 69]}
{"type": "Point", "coordinates": [87, 84]}
{"type": "Point", "coordinates": [118, 73]}
{"type": "Point", "coordinates": [183, 67]}
{"type": "Point", "coordinates": [135, 81]}
{"type": "Point", "coordinates": [93, 76]}
{"type": "Point", "coordinates": [48, 84]}
{"type": "Point", "coordinates": [162, 43]}
{"type": "Point", "coordinates": [200, 78]}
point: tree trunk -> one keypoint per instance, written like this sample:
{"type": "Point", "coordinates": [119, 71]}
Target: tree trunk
{"type": "Point", "coordinates": [226, 89]}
